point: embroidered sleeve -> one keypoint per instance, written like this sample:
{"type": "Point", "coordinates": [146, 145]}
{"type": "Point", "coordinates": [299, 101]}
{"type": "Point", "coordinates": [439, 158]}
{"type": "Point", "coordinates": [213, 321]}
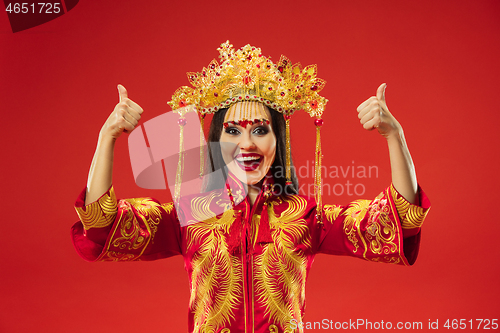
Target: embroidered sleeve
{"type": "Point", "coordinates": [130, 229]}
{"type": "Point", "coordinates": [411, 216]}
{"type": "Point", "coordinates": [374, 230]}
{"type": "Point", "coordinates": [100, 213]}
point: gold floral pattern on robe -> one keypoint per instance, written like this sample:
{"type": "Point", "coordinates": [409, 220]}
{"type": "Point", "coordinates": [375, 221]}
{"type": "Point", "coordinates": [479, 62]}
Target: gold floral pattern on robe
{"type": "Point", "coordinates": [280, 271]}
{"type": "Point", "coordinates": [216, 276]}
{"type": "Point", "coordinates": [260, 281]}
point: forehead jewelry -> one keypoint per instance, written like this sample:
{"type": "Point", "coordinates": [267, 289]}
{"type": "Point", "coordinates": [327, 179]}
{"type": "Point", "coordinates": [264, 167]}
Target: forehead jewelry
{"type": "Point", "coordinates": [245, 114]}
{"type": "Point", "coordinates": [247, 75]}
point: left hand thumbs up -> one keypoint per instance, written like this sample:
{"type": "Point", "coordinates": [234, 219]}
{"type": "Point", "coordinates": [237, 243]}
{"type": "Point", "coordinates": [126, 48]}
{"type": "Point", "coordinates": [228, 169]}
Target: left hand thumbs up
{"type": "Point", "coordinates": [381, 92]}
{"type": "Point", "coordinates": [373, 113]}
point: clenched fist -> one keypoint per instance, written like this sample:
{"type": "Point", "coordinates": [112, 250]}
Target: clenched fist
{"type": "Point", "coordinates": [124, 117]}
{"type": "Point", "coordinates": [373, 113]}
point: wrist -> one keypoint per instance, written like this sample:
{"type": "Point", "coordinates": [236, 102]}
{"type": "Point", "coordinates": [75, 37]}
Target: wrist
{"type": "Point", "coordinates": [106, 140]}
{"type": "Point", "coordinates": [396, 135]}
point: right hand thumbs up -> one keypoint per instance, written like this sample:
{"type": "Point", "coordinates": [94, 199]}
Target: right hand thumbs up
{"type": "Point", "coordinates": [122, 92]}
{"type": "Point", "coordinates": [124, 118]}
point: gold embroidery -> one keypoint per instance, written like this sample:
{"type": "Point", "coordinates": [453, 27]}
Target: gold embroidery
{"type": "Point", "coordinates": [200, 206]}
{"type": "Point", "coordinates": [414, 218]}
{"type": "Point", "coordinates": [280, 271]}
{"type": "Point", "coordinates": [387, 260]}
{"type": "Point", "coordinates": [273, 329]}
{"type": "Point", "coordinates": [254, 228]}
{"type": "Point", "coordinates": [354, 214]}
{"type": "Point", "coordinates": [134, 237]}
{"type": "Point", "coordinates": [411, 216]}
{"type": "Point", "coordinates": [401, 204]}
{"type": "Point", "coordinates": [100, 213]}
{"type": "Point", "coordinates": [381, 232]}
{"type": "Point", "coordinates": [149, 211]}
{"type": "Point", "coordinates": [168, 207]}
{"type": "Point", "coordinates": [217, 275]}
{"type": "Point", "coordinates": [332, 212]}
{"type": "Point", "coordinates": [118, 256]}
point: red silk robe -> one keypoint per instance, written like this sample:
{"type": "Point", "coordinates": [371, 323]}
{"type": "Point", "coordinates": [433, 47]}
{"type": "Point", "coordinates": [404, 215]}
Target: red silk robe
{"type": "Point", "coordinates": [248, 266]}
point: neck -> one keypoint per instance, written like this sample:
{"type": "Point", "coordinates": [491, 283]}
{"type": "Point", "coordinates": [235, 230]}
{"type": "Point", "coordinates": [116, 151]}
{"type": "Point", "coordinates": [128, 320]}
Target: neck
{"type": "Point", "coordinates": [253, 191]}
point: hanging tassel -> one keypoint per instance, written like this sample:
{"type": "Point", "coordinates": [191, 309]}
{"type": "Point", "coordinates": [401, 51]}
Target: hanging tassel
{"type": "Point", "coordinates": [288, 158]}
{"type": "Point", "coordinates": [202, 148]}
{"type": "Point", "coordinates": [264, 234]}
{"type": "Point", "coordinates": [180, 165]}
{"type": "Point", "coordinates": [235, 234]}
{"type": "Point", "coordinates": [236, 230]}
{"type": "Point", "coordinates": [317, 172]}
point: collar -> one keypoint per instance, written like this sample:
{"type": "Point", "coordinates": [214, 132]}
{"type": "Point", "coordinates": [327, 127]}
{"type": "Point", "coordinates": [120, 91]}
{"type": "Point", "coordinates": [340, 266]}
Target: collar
{"type": "Point", "coordinates": [237, 191]}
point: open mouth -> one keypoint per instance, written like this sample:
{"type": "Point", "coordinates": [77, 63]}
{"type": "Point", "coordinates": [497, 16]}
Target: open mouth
{"type": "Point", "coordinates": [248, 162]}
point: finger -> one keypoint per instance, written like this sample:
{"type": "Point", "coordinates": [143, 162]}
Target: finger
{"type": "Point", "coordinates": [135, 106]}
{"type": "Point", "coordinates": [124, 114]}
{"type": "Point", "coordinates": [365, 103]}
{"type": "Point", "coordinates": [123, 126]}
{"type": "Point", "coordinates": [123, 108]}
{"type": "Point", "coordinates": [133, 113]}
{"type": "Point", "coordinates": [374, 104]}
{"type": "Point", "coordinates": [372, 123]}
{"type": "Point", "coordinates": [381, 92]}
{"type": "Point", "coordinates": [373, 113]}
{"type": "Point", "coordinates": [122, 92]}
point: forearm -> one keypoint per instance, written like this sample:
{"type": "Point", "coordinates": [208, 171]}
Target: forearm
{"type": "Point", "coordinates": [101, 170]}
{"type": "Point", "coordinates": [124, 117]}
{"type": "Point", "coordinates": [373, 113]}
{"type": "Point", "coordinates": [404, 178]}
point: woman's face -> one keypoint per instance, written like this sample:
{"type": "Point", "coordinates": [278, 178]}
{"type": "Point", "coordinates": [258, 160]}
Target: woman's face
{"type": "Point", "coordinates": [248, 149]}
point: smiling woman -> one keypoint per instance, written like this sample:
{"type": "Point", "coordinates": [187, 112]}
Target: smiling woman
{"type": "Point", "coordinates": [250, 238]}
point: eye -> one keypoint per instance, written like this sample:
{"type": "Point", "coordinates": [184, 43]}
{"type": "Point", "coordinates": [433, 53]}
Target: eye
{"type": "Point", "coordinates": [232, 131]}
{"type": "Point", "coordinates": [261, 130]}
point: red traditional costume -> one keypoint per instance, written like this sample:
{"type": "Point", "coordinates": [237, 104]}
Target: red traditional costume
{"type": "Point", "coordinates": [248, 266]}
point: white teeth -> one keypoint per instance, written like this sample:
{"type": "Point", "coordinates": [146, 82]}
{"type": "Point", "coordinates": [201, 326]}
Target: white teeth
{"type": "Point", "coordinates": [252, 158]}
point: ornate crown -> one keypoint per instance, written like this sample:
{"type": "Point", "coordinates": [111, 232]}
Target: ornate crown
{"type": "Point", "coordinates": [247, 75]}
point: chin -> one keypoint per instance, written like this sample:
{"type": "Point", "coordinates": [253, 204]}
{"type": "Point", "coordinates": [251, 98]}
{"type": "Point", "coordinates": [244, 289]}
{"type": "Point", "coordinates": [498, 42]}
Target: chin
{"type": "Point", "coordinates": [247, 177]}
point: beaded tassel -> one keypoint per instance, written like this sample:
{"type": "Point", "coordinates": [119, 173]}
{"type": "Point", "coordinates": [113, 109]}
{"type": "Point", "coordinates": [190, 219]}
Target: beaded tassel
{"type": "Point", "coordinates": [180, 164]}
{"type": "Point", "coordinates": [288, 152]}
{"type": "Point", "coordinates": [202, 148]}
{"type": "Point", "coordinates": [317, 171]}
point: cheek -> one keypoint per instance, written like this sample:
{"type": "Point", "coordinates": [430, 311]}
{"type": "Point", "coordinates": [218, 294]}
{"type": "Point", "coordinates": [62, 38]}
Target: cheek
{"type": "Point", "coordinates": [269, 149]}
{"type": "Point", "coordinates": [228, 149]}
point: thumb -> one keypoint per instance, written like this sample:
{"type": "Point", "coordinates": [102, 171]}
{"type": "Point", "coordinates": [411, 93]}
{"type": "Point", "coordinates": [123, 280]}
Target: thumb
{"type": "Point", "coordinates": [122, 92]}
{"type": "Point", "coordinates": [381, 92]}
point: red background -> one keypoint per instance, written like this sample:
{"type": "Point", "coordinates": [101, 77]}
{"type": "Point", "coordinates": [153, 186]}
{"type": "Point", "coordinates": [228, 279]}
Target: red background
{"type": "Point", "coordinates": [58, 85]}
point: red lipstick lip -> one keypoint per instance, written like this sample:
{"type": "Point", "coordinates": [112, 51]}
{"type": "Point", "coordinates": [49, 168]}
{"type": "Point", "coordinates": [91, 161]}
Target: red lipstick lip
{"type": "Point", "coordinates": [254, 164]}
{"type": "Point", "coordinates": [248, 155]}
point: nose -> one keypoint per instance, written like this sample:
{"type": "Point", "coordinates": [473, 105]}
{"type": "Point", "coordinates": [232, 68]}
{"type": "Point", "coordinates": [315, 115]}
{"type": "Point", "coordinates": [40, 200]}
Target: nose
{"type": "Point", "coordinates": [246, 142]}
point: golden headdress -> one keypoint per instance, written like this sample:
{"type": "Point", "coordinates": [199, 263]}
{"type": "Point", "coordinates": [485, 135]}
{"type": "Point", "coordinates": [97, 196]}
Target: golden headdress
{"type": "Point", "coordinates": [247, 75]}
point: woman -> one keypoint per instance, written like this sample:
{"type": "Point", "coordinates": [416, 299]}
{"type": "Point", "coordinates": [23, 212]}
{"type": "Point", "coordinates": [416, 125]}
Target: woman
{"type": "Point", "coordinates": [248, 265]}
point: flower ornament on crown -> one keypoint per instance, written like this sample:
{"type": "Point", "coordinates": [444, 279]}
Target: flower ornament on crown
{"type": "Point", "coordinates": [247, 75]}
